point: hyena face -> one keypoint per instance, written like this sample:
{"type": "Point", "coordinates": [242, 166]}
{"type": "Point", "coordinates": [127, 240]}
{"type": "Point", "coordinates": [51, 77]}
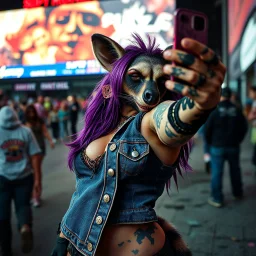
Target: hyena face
{"type": "Point", "coordinates": [144, 81]}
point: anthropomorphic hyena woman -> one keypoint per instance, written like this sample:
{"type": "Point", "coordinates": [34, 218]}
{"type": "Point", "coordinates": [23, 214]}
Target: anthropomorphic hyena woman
{"type": "Point", "coordinates": [135, 138]}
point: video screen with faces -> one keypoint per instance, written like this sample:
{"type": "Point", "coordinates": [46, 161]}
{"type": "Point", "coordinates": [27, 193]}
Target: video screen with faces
{"type": "Point", "coordinates": [56, 41]}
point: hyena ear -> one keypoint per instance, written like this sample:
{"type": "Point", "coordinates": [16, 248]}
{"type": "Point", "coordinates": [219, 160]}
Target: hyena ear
{"type": "Point", "coordinates": [106, 50]}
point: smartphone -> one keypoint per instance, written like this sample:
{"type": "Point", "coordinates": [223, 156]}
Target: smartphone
{"type": "Point", "coordinates": [189, 23]}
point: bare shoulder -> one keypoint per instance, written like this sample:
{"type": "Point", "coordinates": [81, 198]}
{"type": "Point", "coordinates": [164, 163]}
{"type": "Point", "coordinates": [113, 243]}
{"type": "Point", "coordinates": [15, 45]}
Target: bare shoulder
{"type": "Point", "coordinates": [167, 155]}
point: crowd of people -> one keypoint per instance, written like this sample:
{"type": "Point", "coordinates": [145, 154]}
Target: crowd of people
{"type": "Point", "coordinates": [24, 128]}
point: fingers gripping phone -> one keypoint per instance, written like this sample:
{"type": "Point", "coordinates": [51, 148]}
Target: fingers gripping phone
{"type": "Point", "coordinates": [189, 23]}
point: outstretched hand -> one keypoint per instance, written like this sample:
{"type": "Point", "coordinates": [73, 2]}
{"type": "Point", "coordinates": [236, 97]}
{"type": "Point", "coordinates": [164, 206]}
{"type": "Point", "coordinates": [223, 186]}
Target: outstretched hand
{"type": "Point", "coordinates": [201, 70]}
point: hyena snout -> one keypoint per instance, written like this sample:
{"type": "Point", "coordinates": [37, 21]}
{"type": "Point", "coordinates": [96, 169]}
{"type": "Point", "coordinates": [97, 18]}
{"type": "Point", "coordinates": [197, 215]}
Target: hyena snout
{"type": "Point", "coordinates": [150, 97]}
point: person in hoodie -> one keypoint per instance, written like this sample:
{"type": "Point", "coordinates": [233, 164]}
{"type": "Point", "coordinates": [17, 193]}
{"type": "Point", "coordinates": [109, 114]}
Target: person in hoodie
{"type": "Point", "coordinates": [225, 130]}
{"type": "Point", "coordinates": [19, 174]}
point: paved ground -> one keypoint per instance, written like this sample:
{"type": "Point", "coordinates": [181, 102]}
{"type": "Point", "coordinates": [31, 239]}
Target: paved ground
{"type": "Point", "coordinates": [229, 231]}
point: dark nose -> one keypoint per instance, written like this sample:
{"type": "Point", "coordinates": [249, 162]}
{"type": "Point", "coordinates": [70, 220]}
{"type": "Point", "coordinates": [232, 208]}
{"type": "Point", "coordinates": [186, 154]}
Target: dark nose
{"type": "Point", "coordinates": [150, 97]}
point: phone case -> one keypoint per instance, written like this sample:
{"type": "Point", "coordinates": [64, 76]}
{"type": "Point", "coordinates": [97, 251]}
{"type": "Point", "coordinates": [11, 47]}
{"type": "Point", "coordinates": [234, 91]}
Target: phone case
{"type": "Point", "coordinates": [183, 27]}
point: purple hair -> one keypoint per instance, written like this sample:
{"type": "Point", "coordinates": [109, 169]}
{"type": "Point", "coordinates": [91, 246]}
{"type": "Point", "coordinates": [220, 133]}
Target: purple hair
{"type": "Point", "coordinates": [102, 115]}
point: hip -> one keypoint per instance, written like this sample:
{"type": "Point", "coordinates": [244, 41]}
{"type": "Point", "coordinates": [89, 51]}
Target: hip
{"type": "Point", "coordinates": [130, 239]}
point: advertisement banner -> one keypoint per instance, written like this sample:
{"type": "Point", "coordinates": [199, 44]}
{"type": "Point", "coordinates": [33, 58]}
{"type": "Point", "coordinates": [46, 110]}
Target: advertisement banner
{"type": "Point", "coordinates": [238, 13]}
{"type": "Point", "coordinates": [56, 41]}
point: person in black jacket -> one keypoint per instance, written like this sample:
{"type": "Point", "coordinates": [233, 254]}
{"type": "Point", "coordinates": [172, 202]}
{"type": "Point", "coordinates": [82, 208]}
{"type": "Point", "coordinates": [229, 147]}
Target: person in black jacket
{"type": "Point", "coordinates": [225, 129]}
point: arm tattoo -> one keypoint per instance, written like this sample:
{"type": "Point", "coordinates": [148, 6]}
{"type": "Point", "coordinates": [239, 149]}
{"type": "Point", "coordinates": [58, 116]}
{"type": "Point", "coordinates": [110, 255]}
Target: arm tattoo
{"type": "Point", "coordinates": [181, 127]}
{"type": "Point", "coordinates": [158, 114]}
{"type": "Point", "coordinates": [135, 252]}
{"type": "Point", "coordinates": [187, 59]}
{"type": "Point", "coordinates": [142, 234]}
{"type": "Point", "coordinates": [177, 71]}
{"type": "Point", "coordinates": [187, 103]}
{"type": "Point", "coordinates": [169, 133]}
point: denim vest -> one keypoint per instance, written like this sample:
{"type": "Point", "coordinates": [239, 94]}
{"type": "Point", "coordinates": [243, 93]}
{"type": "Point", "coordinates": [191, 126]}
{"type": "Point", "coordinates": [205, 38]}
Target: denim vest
{"type": "Point", "coordinates": [123, 190]}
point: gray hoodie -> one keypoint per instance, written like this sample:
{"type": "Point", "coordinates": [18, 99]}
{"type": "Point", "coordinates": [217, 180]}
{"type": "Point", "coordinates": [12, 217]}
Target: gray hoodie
{"type": "Point", "coordinates": [17, 144]}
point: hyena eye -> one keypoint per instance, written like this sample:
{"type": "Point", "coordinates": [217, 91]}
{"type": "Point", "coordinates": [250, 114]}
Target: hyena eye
{"type": "Point", "coordinates": [136, 77]}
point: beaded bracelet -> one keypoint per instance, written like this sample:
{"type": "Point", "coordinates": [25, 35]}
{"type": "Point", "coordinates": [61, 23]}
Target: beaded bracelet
{"type": "Point", "coordinates": [181, 127]}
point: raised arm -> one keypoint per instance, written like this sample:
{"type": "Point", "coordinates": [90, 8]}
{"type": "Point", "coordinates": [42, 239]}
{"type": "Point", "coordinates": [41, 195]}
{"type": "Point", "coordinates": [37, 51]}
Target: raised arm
{"type": "Point", "coordinates": [203, 74]}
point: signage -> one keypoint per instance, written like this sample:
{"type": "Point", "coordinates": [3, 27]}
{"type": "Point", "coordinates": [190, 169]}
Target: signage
{"type": "Point", "coordinates": [25, 87]}
{"type": "Point", "coordinates": [46, 3]}
{"type": "Point", "coordinates": [56, 41]}
{"type": "Point", "coordinates": [248, 44]}
{"type": "Point", "coordinates": [238, 12]}
{"type": "Point", "coordinates": [52, 86]}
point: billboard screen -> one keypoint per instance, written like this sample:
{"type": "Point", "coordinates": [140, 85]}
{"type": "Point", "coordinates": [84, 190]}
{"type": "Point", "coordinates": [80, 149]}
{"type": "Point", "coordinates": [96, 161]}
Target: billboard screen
{"type": "Point", "coordinates": [56, 41]}
{"type": "Point", "coordinates": [238, 12]}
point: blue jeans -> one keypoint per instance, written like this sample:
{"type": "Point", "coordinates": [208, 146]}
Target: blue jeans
{"type": "Point", "coordinates": [218, 157]}
{"type": "Point", "coordinates": [20, 191]}
{"type": "Point", "coordinates": [63, 125]}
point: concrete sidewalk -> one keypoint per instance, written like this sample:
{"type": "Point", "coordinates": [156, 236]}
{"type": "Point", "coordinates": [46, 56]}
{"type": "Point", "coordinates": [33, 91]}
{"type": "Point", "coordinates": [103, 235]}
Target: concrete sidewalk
{"type": "Point", "coordinates": [229, 231]}
{"type": "Point", "coordinates": [210, 231]}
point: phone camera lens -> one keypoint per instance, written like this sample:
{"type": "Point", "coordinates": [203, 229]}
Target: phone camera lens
{"type": "Point", "coordinates": [199, 23]}
{"type": "Point", "coordinates": [184, 18]}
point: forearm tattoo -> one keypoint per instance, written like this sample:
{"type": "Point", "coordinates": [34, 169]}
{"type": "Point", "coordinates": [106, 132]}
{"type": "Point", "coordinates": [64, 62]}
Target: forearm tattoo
{"type": "Point", "coordinates": [186, 59]}
{"type": "Point", "coordinates": [158, 114]}
{"type": "Point", "coordinates": [182, 127]}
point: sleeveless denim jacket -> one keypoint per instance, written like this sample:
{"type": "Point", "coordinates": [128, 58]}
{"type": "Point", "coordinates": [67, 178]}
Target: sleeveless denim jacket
{"type": "Point", "coordinates": [123, 190]}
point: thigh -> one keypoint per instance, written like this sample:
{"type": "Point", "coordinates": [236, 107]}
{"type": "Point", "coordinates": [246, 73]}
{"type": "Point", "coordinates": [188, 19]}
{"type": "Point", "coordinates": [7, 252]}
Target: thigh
{"type": "Point", "coordinates": [6, 195]}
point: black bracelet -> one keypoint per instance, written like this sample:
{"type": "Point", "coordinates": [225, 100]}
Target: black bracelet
{"type": "Point", "coordinates": [181, 127]}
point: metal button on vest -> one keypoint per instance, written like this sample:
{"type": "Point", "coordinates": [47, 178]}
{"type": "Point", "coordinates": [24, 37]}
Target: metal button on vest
{"type": "Point", "coordinates": [99, 220]}
{"type": "Point", "coordinates": [112, 147]}
{"type": "Point", "coordinates": [89, 247]}
{"type": "Point", "coordinates": [111, 172]}
{"type": "Point", "coordinates": [106, 198]}
{"type": "Point", "coordinates": [135, 153]}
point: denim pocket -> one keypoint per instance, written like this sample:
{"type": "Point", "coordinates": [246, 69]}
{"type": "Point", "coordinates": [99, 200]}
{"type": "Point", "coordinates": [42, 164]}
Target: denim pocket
{"type": "Point", "coordinates": [133, 156]}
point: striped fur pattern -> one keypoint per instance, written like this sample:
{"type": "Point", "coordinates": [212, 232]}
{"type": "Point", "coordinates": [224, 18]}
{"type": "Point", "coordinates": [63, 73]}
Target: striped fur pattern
{"type": "Point", "coordinates": [176, 241]}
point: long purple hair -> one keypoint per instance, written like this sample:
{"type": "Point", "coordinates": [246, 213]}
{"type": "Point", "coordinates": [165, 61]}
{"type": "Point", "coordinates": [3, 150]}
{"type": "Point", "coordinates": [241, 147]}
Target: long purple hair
{"type": "Point", "coordinates": [102, 115]}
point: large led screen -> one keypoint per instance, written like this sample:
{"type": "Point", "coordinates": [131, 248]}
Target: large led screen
{"type": "Point", "coordinates": [56, 41]}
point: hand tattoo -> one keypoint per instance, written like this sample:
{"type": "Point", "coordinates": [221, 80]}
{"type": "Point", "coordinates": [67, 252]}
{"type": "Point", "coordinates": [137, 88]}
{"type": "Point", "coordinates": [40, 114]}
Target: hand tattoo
{"type": "Point", "coordinates": [204, 51]}
{"type": "Point", "coordinates": [187, 59]}
{"type": "Point", "coordinates": [187, 103]}
{"type": "Point", "coordinates": [177, 71]}
{"type": "Point", "coordinates": [193, 92]}
{"type": "Point", "coordinates": [178, 88]}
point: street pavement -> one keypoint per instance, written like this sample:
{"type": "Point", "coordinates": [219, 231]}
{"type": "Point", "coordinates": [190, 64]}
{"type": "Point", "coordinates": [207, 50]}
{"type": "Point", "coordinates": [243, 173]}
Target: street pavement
{"type": "Point", "coordinates": [227, 231]}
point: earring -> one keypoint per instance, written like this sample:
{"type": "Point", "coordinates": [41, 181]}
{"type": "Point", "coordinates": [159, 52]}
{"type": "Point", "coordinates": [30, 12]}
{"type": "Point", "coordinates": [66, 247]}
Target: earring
{"type": "Point", "coordinates": [106, 91]}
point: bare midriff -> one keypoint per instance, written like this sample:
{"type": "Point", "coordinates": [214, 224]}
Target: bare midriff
{"type": "Point", "coordinates": [131, 240]}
